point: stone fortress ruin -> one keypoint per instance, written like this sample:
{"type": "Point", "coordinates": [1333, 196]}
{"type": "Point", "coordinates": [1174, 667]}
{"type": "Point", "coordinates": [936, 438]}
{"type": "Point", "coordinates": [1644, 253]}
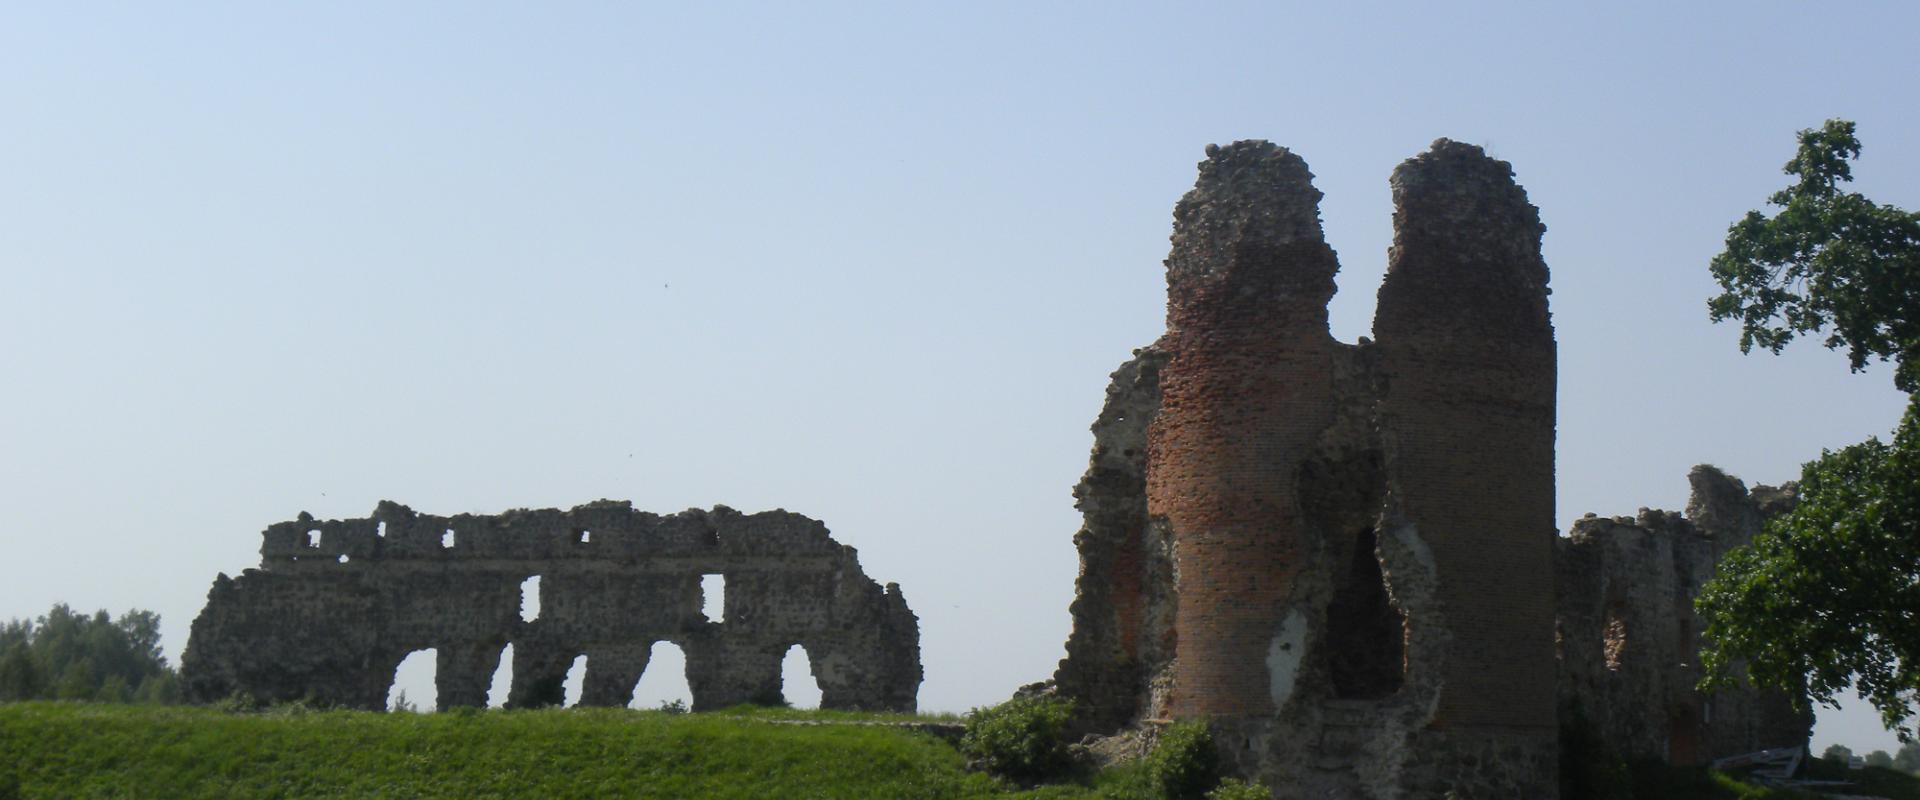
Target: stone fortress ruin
{"type": "Point", "coordinates": [1344, 556]}
{"type": "Point", "coordinates": [337, 604]}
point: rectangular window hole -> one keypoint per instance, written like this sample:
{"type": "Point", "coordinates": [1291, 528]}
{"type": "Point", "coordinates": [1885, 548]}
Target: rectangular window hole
{"type": "Point", "coordinates": [313, 538]}
{"type": "Point", "coordinates": [582, 535]}
{"type": "Point", "coordinates": [530, 599]}
{"type": "Point", "coordinates": [713, 597]}
{"type": "Point", "coordinates": [446, 540]}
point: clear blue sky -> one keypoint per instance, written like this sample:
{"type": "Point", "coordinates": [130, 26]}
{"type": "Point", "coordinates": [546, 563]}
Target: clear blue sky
{"type": "Point", "coordinates": [872, 264]}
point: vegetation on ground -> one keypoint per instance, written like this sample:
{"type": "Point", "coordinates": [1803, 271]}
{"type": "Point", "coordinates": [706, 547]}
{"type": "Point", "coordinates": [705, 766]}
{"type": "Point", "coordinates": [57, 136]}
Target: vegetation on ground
{"type": "Point", "coordinates": [85, 750]}
{"type": "Point", "coordinates": [1236, 789]}
{"type": "Point", "coordinates": [1184, 764]}
{"type": "Point", "coordinates": [1021, 739]}
{"type": "Point", "coordinates": [1872, 781]}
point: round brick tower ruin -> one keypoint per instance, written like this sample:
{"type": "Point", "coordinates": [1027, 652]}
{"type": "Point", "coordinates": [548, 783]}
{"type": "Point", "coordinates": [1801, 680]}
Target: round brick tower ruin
{"type": "Point", "coordinates": [1340, 555]}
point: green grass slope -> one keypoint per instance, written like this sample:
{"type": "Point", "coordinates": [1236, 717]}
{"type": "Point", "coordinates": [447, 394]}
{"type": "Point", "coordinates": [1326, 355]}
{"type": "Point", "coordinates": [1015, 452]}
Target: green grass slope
{"type": "Point", "coordinates": [69, 750]}
{"type": "Point", "coordinates": [1661, 782]}
{"type": "Point", "coordinates": [57, 750]}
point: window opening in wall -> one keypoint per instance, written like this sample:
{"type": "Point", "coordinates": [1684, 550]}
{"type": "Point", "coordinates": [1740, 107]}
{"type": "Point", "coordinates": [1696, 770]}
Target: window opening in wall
{"type": "Point", "coordinates": [412, 688]}
{"type": "Point", "coordinates": [713, 597]}
{"type": "Point", "coordinates": [797, 682]}
{"type": "Point", "coordinates": [446, 539]}
{"type": "Point", "coordinates": [530, 599]}
{"type": "Point", "coordinates": [1614, 637]}
{"type": "Point", "coordinates": [502, 683]}
{"type": "Point", "coordinates": [576, 678]}
{"type": "Point", "coordinates": [665, 680]}
{"type": "Point", "coordinates": [583, 536]}
{"type": "Point", "coordinates": [343, 558]}
{"type": "Point", "coordinates": [1366, 633]}
{"type": "Point", "coordinates": [313, 538]}
{"type": "Point", "coordinates": [380, 530]}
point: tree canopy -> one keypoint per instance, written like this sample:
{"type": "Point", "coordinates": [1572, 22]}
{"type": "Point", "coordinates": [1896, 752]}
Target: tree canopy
{"type": "Point", "coordinates": [71, 656]}
{"type": "Point", "coordinates": [1828, 260]}
{"type": "Point", "coordinates": [1828, 595]}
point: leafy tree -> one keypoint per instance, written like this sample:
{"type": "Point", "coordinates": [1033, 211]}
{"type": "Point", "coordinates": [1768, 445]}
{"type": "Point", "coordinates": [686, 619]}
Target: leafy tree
{"type": "Point", "coordinates": [1837, 752]}
{"type": "Point", "coordinates": [20, 677]}
{"type": "Point", "coordinates": [160, 690]}
{"type": "Point", "coordinates": [1879, 758]}
{"type": "Point", "coordinates": [1822, 598]}
{"type": "Point", "coordinates": [1829, 261]}
{"type": "Point", "coordinates": [72, 656]}
{"type": "Point", "coordinates": [1908, 758]}
{"type": "Point", "coordinates": [76, 683]}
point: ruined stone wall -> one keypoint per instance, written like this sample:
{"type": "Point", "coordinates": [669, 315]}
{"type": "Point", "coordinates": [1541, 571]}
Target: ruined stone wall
{"type": "Point", "coordinates": [1629, 637]}
{"type": "Point", "coordinates": [337, 604]}
{"type": "Point", "coordinates": [1358, 538]}
{"type": "Point", "coordinates": [1123, 602]}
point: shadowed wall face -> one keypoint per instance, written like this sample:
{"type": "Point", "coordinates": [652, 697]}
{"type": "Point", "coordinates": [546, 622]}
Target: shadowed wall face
{"type": "Point", "coordinates": [1629, 638]}
{"type": "Point", "coordinates": [337, 604]}
{"type": "Point", "coordinates": [1467, 360]}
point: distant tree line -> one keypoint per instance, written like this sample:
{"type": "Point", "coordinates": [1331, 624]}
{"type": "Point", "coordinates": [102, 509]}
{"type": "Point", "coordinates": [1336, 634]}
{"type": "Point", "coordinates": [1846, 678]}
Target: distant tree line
{"type": "Point", "coordinates": [66, 655]}
{"type": "Point", "coordinates": [1907, 760]}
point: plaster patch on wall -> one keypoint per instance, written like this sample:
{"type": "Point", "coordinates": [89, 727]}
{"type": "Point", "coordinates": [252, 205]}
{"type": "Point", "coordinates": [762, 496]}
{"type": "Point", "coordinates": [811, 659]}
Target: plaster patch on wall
{"type": "Point", "coordinates": [1284, 653]}
{"type": "Point", "coordinates": [1407, 536]}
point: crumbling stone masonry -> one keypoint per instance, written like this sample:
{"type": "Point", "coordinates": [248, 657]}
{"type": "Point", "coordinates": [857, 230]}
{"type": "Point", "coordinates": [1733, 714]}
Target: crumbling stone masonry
{"type": "Point", "coordinates": [1628, 635]}
{"type": "Point", "coordinates": [1344, 556]}
{"type": "Point", "coordinates": [336, 605]}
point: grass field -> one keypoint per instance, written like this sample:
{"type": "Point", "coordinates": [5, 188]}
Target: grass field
{"type": "Point", "coordinates": [81, 750]}
{"type": "Point", "coordinates": [61, 750]}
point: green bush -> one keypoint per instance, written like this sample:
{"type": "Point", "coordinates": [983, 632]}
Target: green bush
{"type": "Point", "coordinates": [1236, 789]}
{"type": "Point", "coordinates": [1021, 739]}
{"type": "Point", "coordinates": [238, 702]}
{"type": "Point", "coordinates": [1184, 764]}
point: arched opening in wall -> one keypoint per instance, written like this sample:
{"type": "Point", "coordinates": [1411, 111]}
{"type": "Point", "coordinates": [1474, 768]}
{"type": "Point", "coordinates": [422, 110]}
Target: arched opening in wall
{"type": "Point", "coordinates": [664, 682]}
{"type": "Point", "coordinates": [576, 678]}
{"type": "Point", "coordinates": [713, 597]}
{"type": "Point", "coordinates": [1614, 635]}
{"type": "Point", "coordinates": [797, 683]}
{"type": "Point", "coordinates": [502, 684]}
{"type": "Point", "coordinates": [413, 688]}
{"type": "Point", "coordinates": [530, 599]}
{"type": "Point", "coordinates": [1366, 634]}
